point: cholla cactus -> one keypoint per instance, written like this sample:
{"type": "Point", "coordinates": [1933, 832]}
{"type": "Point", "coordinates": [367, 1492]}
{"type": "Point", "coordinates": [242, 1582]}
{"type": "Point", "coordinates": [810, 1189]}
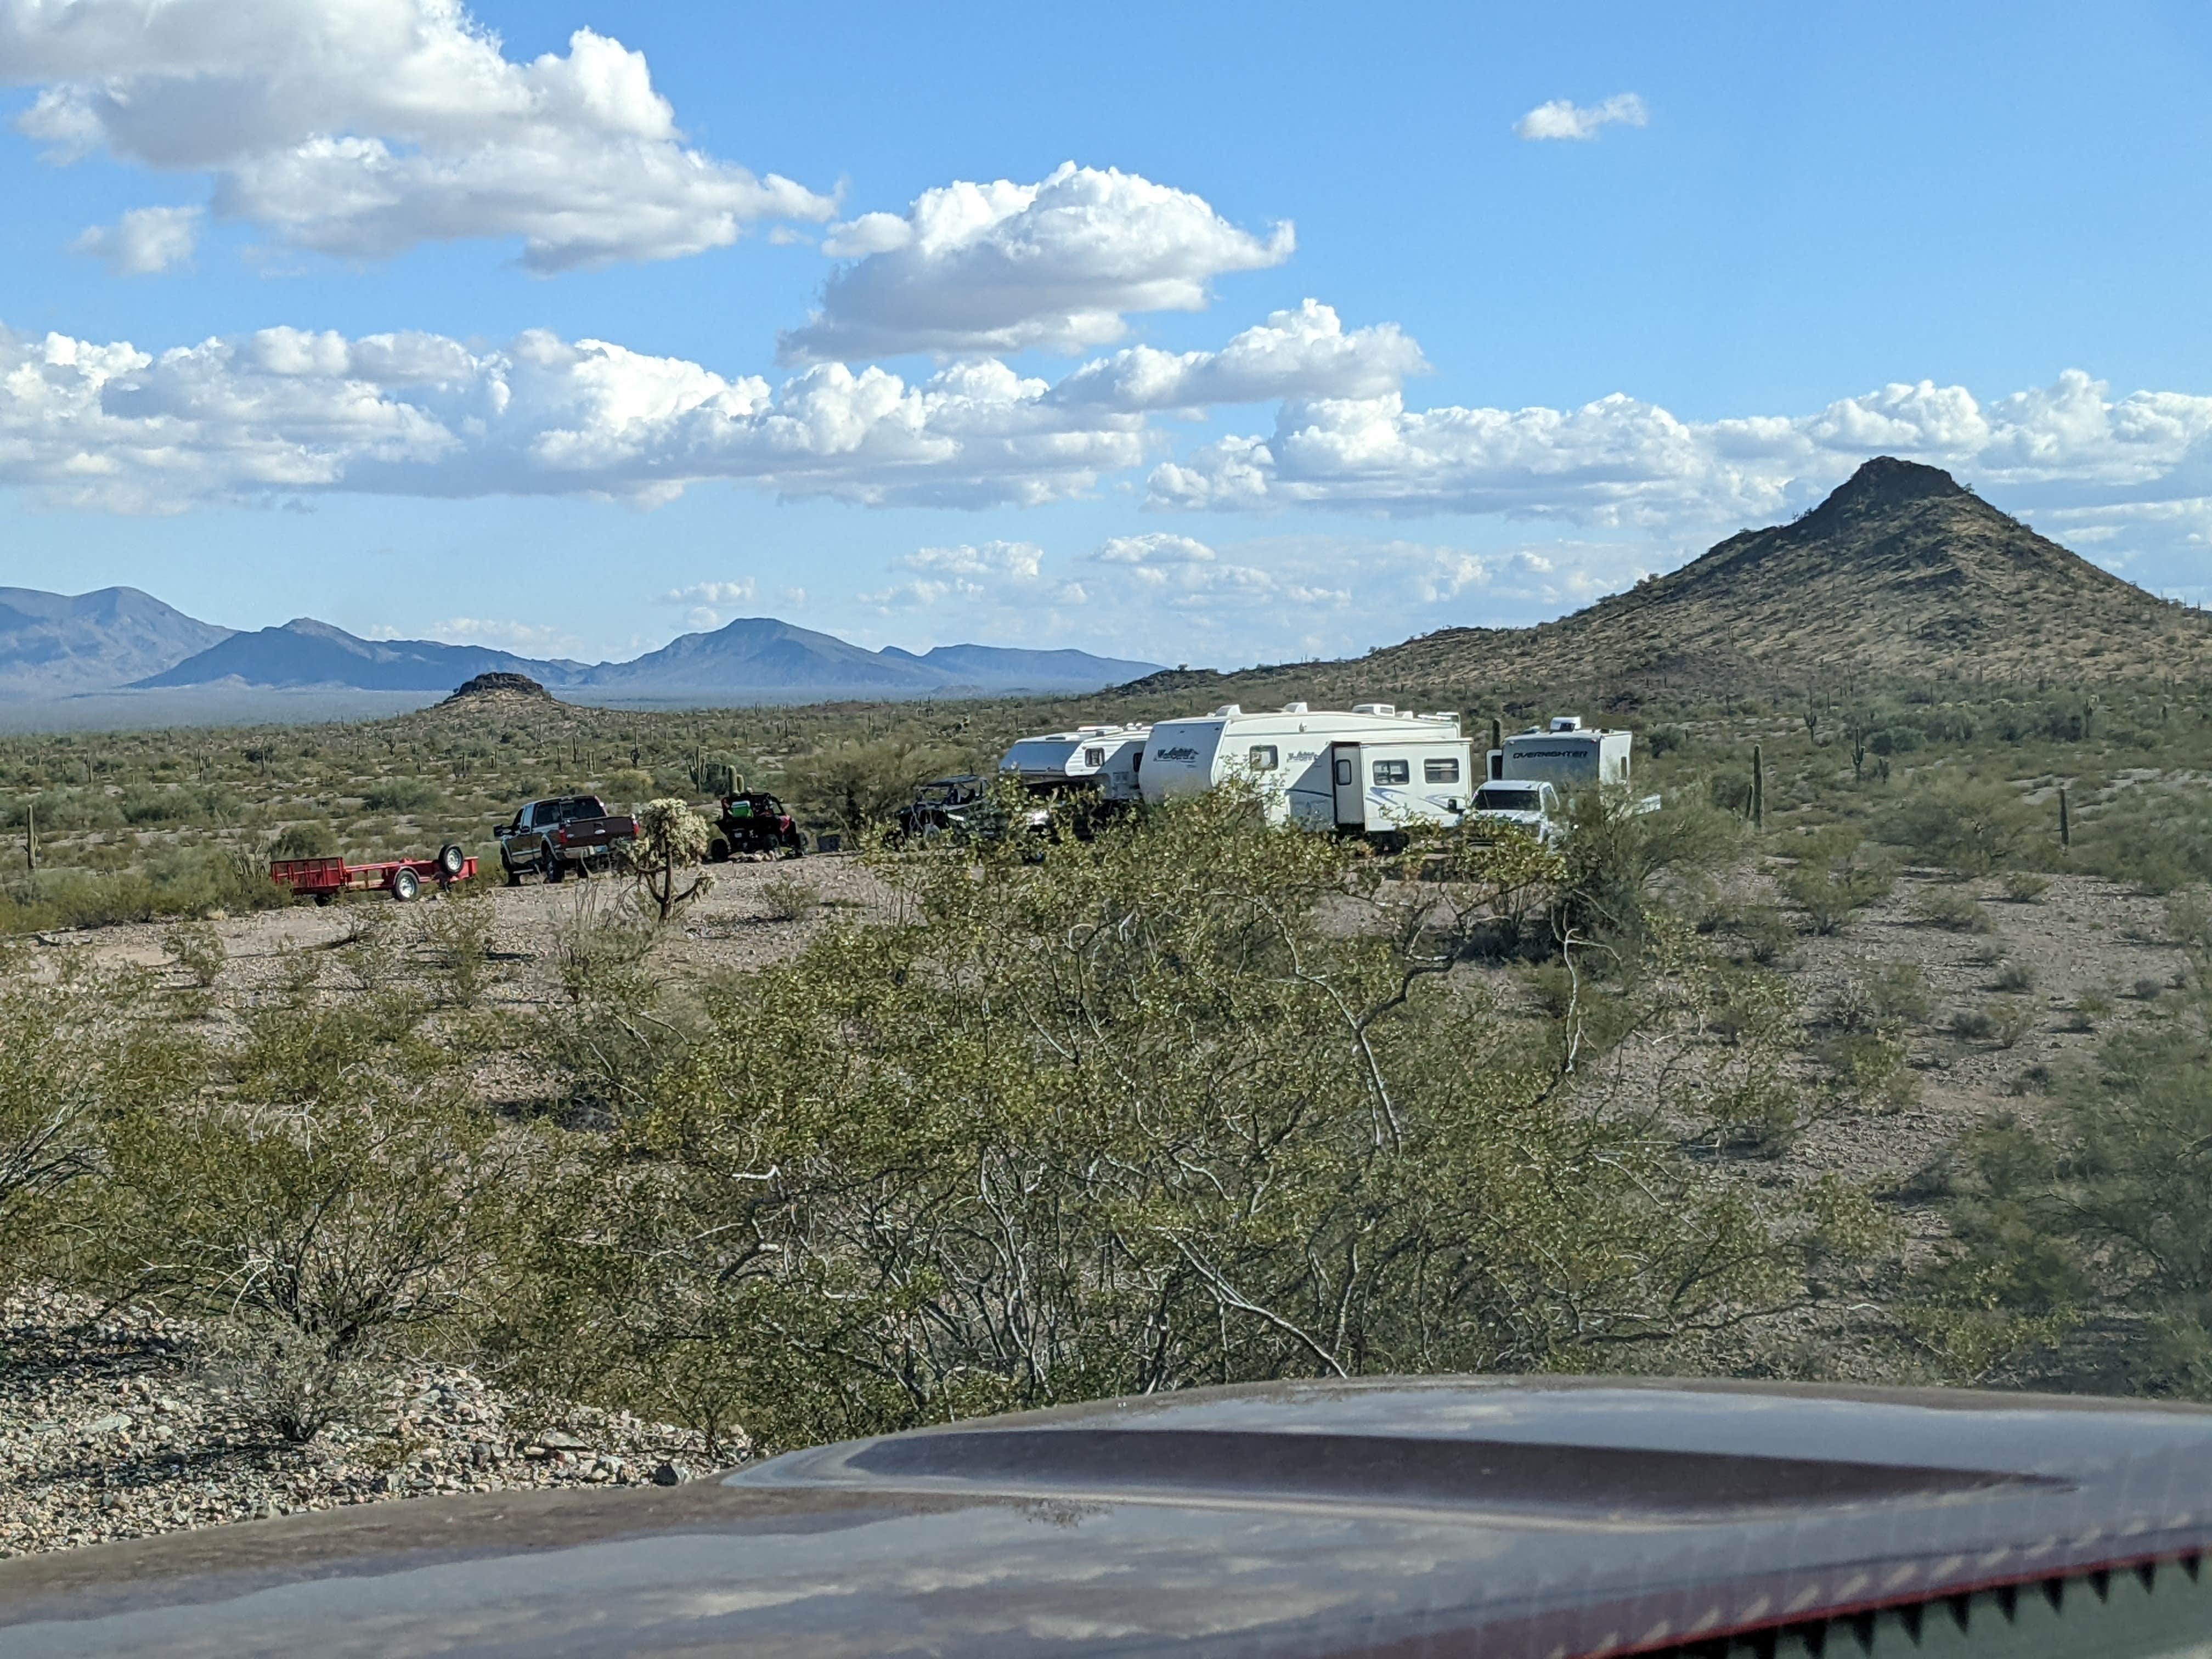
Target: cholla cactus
{"type": "Point", "coordinates": [670, 838]}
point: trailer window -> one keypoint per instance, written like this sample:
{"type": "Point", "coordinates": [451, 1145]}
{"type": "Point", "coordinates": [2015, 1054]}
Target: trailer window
{"type": "Point", "coordinates": [1441, 771]}
{"type": "Point", "coordinates": [1394, 771]}
{"type": "Point", "coordinates": [1094, 757]}
{"type": "Point", "coordinates": [1264, 757]}
{"type": "Point", "coordinates": [1343, 771]}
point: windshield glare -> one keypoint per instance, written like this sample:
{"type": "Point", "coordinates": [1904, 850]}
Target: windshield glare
{"type": "Point", "coordinates": [1508, 800]}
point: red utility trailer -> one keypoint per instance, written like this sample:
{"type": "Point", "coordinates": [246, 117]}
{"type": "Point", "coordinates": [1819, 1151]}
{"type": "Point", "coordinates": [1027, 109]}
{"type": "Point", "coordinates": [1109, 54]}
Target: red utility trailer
{"type": "Point", "coordinates": [324, 879]}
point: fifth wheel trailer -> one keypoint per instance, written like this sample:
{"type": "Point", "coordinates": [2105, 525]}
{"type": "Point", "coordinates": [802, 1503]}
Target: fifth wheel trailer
{"type": "Point", "coordinates": [1100, 759]}
{"type": "Point", "coordinates": [1567, 753]}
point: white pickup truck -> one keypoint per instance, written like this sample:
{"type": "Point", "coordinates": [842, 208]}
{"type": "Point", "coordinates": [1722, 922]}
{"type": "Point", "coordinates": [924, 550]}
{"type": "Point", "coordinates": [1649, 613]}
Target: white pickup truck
{"type": "Point", "coordinates": [1525, 803]}
{"type": "Point", "coordinates": [1532, 805]}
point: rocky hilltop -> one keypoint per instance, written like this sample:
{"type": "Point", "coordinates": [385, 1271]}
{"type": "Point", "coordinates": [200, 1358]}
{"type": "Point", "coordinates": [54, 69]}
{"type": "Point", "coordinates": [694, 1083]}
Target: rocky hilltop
{"type": "Point", "coordinates": [499, 688]}
{"type": "Point", "coordinates": [1901, 573]}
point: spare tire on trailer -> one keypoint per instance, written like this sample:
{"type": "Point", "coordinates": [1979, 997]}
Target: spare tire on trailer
{"type": "Point", "coordinates": [451, 858]}
{"type": "Point", "coordinates": [405, 885]}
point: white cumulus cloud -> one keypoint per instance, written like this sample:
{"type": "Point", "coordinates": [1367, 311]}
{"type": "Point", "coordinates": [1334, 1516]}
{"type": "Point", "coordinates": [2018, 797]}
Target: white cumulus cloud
{"type": "Point", "coordinates": [144, 242]}
{"type": "Point", "coordinates": [517, 636]}
{"type": "Point", "coordinates": [1305, 353]}
{"type": "Point", "coordinates": [1623, 461]}
{"type": "Point", "coordinates": [1002, 267]}
{"type": "Point", "coordinates": [364, 128]}
{"type": "Point", "coordinates": [285, 411]}
{"type": "Point", "coordinates": [1157, 549]}
{"type": "Point", "coordinates": [710, 593]}
{"type": "Point", "coordinates": [1564, 118]}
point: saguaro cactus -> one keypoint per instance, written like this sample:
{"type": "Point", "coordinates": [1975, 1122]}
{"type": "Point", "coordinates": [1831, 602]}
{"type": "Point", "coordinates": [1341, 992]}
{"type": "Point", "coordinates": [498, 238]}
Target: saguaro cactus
{"type": "Point", "coordinates": [1758, 786]}
{"type": "Point", "coordinates": [2065, 820]}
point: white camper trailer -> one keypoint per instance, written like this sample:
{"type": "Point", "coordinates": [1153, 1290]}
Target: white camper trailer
{"type": "Point", "coordinates": [1397, 768]}
{"type": "Point", "coordinates": [1565, 753]}
{"type": "Point", "coordinates": [1100, 760]}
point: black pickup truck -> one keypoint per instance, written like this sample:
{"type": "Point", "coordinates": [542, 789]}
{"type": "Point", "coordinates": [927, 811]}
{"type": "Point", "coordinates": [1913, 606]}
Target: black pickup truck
{"type": "Point", "coordinates": [570, 832]}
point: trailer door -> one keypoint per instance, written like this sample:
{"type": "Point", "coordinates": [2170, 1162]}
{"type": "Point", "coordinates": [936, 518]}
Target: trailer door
{"type": "Point", "coordinates": [1350, 786]}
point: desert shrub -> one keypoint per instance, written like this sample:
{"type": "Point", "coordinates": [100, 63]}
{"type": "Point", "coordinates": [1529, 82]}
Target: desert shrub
{"type": "Point", "coordinates": [597, 1052]}
{"type": "Point", "coordinates": [400, 795]}
{"type": "Point", "coordinates": [2147, 989]}
{"type": "Point", "coordinates": [459, 929]}
{"type": "Point", "coordinates": [859, 784]}
{"type": "Point", "coordinates": [1971, 828]}
{"type": "Point", "coordinates": [788, 898]}
{"type": "Point", "coordinates": [1618, 871]}
{"type": "Point", "coordinates": [1835, 879]}
{"type": "Point", "coordinates": [197, 948]}
{"type": "Point", "coordinates": [1892, 994]}
{"type": "Point", "coordinates": [1899, 991]}
{"type": "Point", "coordinates": [2189, 919]}
{"type": "Point", "coordinates": [2098, 1210]}
{"type": "Point", "coordinates": [1136, 1118]}
{"type": "Point", "coordinates": [1729, 793]}
{"type": "Point", "coordinates": [285, 1379]}
{"type": "Point", "coordinates": [2158, 839]}
{"type": "Point", "coordinates": [2024, 886]}
{"type": "Point", "coordinates": [310, 838]}
{"type": "Point", "coordinates": [1954, 909]}
{"type": "Point", "coordinates": [71, 1059]}
{"type": "Point", "coordinates": [340, 1194]}
{"type": "Point", "coordinates": [1870, 1072]}
{"type": "Point", "coordinates": [1975, 1025]}
{"type": "Point", "coordinates": [1766, 935]}
{"type": "Point", "coordinates": [2010, 1022]}
{"type": "Point", "coordinates": [2015, 976]}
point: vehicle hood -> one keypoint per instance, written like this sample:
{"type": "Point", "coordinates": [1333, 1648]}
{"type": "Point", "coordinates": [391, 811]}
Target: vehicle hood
{"type": "Point", "coordinates": [1455, 1516]}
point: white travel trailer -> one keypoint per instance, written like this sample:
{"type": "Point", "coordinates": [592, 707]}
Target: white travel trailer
{"type": "Point", "coordinates": [1375, 771]}
{"type": "Point", "coordinates": [1100, 759]}
{"type": "Point", "coordinates": [1565, 753]}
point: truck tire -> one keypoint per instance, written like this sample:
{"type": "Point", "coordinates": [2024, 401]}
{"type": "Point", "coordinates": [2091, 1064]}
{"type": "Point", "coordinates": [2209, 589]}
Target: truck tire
{"type": "Point", "coordinates": [405, 885]}
{"type": "Point", "coordinates": [513, 875]}
{"type": "Point", "coordinates": [553, 870]}
{"type": "Point", "coordinates": [451, 858]}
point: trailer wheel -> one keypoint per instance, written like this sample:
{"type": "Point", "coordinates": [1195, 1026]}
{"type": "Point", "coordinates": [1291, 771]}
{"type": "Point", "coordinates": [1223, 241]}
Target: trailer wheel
{"type": "Point", "coordinates": [323, 898]}
{"type": "Point", "coordinates": [405, 885]}
{"type": "Point", "coordinates": [451, 858]}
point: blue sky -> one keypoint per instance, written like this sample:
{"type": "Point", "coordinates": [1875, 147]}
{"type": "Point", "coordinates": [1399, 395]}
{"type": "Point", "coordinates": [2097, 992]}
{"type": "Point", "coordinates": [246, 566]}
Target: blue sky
{"type": "Point", "coordinates": [1337, 334]}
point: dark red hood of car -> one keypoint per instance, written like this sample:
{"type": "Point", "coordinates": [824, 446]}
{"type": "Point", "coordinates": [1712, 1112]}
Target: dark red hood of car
{"type": "Point", "coordinates": [1505, 1519]}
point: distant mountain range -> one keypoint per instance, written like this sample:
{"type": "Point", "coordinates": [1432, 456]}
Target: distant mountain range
{"type": "Point", "coordinates": [58, 645]}
{"type": "Point", "coordinates": [55, 646]}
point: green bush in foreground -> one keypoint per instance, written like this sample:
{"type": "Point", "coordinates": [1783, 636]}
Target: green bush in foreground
{"type": "Point", "coordinates": [2096, 1219]}
{"type": "Point", "coordinates": [1150, 1114]}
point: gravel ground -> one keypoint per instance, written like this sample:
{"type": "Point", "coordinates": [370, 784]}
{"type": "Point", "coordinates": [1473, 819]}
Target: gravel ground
{"type": "Point", "coordinates": [107, 1432]}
